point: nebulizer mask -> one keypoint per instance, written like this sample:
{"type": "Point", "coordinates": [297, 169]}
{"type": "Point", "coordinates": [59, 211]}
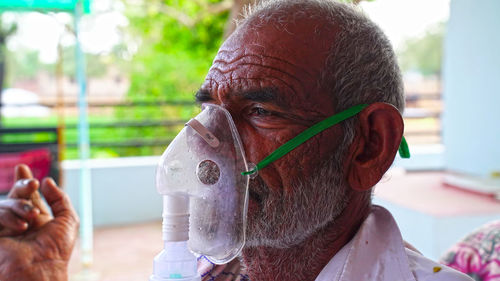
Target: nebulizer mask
{"type": "Point", "coordinates": [204, 193]}
{"type": "Point", "coordinates": [203, 177]}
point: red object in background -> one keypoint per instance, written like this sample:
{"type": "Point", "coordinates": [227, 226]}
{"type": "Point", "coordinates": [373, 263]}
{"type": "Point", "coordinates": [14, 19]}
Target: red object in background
{"type": "Point", "coordinates": [38, 160]}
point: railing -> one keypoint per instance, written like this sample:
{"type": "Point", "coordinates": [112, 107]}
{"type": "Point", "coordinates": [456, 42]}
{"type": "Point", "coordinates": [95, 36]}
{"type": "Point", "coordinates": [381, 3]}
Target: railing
{"type": "Point", "coordinates": [112, 133]}
{"type": "Point", "coordinates": [423, 118]}
{"type": "Point", "coordinates": [150, 135]}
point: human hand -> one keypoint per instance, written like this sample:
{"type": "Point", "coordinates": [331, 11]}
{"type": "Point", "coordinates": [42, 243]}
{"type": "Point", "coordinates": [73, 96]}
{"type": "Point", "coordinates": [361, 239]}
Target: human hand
{"type": "Point", "coordinates": [40, 249]}
{"type": "Point", "coordinates": [23, 209]}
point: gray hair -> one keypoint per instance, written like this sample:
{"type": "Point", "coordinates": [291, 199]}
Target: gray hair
{"type": "Point", "coordinates": [361, 66]}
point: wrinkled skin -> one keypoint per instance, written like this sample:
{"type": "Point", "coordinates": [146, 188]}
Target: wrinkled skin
{"type": "Point", "coordinates": [268, 64]}
{"type": "Point", "coordinates": [267, 79]}
{"type": "Point", "coordinates": [34, 245]}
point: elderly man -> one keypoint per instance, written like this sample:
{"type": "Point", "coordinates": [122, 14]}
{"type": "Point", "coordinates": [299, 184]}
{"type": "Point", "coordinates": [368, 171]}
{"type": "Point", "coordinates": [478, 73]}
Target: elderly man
{"type": "Point", "coordinates": [289, 65]}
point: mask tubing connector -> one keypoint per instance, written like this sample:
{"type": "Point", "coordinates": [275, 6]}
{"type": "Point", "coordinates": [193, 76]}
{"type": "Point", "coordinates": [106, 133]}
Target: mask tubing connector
{"type": "Point", "coordinates": [175, 262]}
{"type": "Point", "coordinates": [253, 171]}
{"type": "Point", "coordinates": [175, 225]}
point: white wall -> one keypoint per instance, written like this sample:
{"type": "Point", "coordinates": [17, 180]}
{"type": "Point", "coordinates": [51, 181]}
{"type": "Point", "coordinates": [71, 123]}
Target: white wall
{"type": "Point", "coordinates": [471, 73]}
{"type": "Point", "coordinates": [123, 189]}
{"type": "Point", "coordinates": [433, 235]}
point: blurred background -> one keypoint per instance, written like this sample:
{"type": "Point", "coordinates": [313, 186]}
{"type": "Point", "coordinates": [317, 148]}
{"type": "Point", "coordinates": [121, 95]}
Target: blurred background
{"type": "Point", "coordinates": [142, 62]}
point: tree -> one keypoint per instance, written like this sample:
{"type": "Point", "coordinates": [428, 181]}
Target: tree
{"type": "Point", "coordinates": [424, 54]}
{"type": "Point", "coordinates": [5, 32]}
{"type": "Point", "coordinates": [175, 43]}
{"type": "Point", "coordinates": [178, 40]}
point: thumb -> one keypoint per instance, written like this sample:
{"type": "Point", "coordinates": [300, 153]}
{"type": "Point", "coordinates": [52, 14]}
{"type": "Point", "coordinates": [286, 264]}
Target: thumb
{"type": "Point", "coordinates": [59, 203]}
{"type": "Point", "coordinates": [62, 230]}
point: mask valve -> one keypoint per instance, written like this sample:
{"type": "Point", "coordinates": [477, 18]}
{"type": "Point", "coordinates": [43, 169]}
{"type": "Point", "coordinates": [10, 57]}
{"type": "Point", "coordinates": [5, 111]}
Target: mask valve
{"type": "Point", "coordinates": [208, 172]}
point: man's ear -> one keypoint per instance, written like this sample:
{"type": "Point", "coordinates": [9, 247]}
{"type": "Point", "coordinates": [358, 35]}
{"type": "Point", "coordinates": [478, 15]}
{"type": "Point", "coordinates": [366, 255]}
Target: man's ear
{"type": "Point", "coordinates": [378, 135]}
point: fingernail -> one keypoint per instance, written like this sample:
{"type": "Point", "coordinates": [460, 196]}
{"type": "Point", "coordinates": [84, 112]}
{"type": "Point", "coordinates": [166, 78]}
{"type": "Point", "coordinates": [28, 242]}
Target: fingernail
{"type": "Point", "coordinates": [51, 180]}
{"type": "Point", "coordinates": [27, 207]}
{"type": "Point", "coordinates": [26, 181]}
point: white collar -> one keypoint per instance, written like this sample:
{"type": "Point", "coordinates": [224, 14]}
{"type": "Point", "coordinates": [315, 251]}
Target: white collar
{"type": "Point", "coordinates": [375, 253]}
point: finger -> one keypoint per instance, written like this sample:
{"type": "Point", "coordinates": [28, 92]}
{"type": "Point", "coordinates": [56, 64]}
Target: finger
{"type": "Point", "coordinates": [24, 188]}
{"type": "Point", "coordinates": [58, 201]}
{"type": "Point", "coordinates": [11, 224]}
{"type": "Point", "coordinates": [20, 207]}
{"type": "Point", "coordinates": [22, 171]}
{"type": "Point", "coordinates": [37, 201]}
{"type": "Point", "coordinates": [64, 226]}
{"type": "Point", "coordinates": [28, 189]}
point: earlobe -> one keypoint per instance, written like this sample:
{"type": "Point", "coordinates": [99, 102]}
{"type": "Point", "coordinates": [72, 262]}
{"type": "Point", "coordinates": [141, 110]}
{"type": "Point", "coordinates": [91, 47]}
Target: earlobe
{"type": "Point", "coordinates": [378, 135]}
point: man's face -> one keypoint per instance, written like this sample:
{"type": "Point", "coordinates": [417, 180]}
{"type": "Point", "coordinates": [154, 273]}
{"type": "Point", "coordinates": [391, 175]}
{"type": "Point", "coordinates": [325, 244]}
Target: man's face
{"type": "Point", "coordinates": [267, 78]}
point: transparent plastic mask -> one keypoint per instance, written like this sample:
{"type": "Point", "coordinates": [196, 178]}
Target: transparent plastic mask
{"type": "Point", "coordinates": [205, 162]}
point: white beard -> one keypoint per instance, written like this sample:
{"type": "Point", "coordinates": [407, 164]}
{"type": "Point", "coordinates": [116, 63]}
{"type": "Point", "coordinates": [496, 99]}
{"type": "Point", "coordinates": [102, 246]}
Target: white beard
{"type": "Point", "coordinates": [288, 219]}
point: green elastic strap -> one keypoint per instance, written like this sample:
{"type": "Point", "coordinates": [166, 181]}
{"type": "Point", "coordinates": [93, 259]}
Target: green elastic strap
{"type": "Point", "coordinates": [404, 151]}
{"type": "Point", "coordinates": [314, 130]}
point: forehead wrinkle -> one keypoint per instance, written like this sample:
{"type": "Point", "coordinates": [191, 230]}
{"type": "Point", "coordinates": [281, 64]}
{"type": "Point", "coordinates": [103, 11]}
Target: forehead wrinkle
{"type": "Point", "coordinates": [223, 71]}
{"type": "Point", "coordinates": [231, 87]}
{"type": "Point", "coordinates": [260, 57]}
{"type": "Point", "coordinates": [234, 68]}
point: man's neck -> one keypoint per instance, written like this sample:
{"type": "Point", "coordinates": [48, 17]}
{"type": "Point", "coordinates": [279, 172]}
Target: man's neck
{"type": "Point", "coordinates": [305, 260]}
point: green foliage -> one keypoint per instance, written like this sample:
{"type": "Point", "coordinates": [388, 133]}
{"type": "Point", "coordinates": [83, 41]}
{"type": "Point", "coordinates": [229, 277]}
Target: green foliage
{"type": "Point", "coordinates": [178, 41]}
{"type": "Point", "coordinates": [25, 64]}
{"type": "Point", "coordinates": [170, 63]}
{"type": "Point", "coordinates": [424, 54]}
{"type": "Point", "coordinates": [22, 64]}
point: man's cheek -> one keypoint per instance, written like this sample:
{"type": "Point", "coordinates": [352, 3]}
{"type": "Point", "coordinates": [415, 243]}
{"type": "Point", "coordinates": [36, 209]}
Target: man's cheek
{"type": "Point", "coordinates": [330, 140]}
{"type": "Point", "coordinates": [272, 178]}
{"type": "Point", "coordinates": [299, 164]}
{"type": "Point", "coordinates": [261, 143]}
{"type": "Point", "coordinates": [310, 155]}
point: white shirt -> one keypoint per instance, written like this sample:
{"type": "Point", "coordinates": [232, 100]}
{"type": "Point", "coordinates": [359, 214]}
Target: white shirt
{"type": "Point", "coordinates": [377, 253]}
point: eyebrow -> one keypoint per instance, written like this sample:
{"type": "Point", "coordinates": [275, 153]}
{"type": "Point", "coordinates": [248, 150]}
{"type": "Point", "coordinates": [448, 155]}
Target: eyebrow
{"type": "Point", "coordinates": [203, 96]}
{"type": "Point", "coordinates": [262, 95]}
{"type": "Point", "coordinates": [267, 95]}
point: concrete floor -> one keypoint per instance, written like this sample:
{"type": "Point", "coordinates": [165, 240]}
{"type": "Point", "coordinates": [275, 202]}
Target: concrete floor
{"type": "Point", "coordinates": [121, 253]}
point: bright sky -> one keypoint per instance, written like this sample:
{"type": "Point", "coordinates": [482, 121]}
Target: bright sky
{"type": "Point", "coordinates": [99, 31]}
{"type": "Point", "coordinates": [402, 19]}
{"type": "Point", "coordinates": [399, 19]}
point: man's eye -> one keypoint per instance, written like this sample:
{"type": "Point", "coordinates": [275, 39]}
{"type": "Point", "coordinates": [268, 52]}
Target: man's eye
{"type": "Point", "coordinates": [259, 111]}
